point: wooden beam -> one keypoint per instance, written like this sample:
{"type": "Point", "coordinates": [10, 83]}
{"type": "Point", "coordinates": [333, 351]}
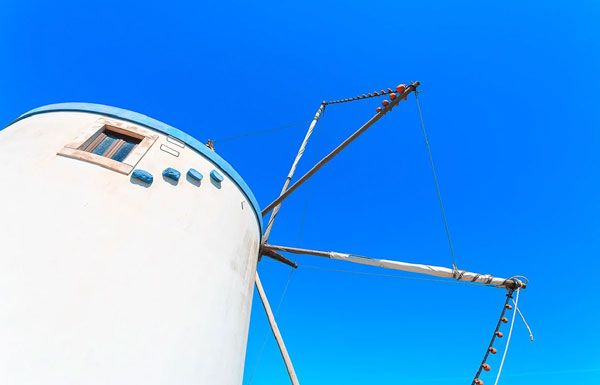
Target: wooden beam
{"type": "Point", "coordinates": [276, 333]}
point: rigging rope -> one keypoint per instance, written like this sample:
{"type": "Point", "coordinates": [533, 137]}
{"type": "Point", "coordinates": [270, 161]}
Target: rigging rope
{"type": "Point", "coordinates": [436, 182]}
{"type": "Point", "coordinates": [524, 322]}
{"type": "Point", "coordinates": [512, 324]}
{"type": "Point", "coordinates": [258, 132]}
{"type": "Point", "coordinates": [497, 334]}
{"type": "Point", "coordinates": [363, 96]}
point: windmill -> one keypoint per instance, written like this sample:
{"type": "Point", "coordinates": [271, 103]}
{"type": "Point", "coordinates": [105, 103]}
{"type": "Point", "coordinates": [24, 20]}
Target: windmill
{"type": "Point", "coordinates": [129, 249]}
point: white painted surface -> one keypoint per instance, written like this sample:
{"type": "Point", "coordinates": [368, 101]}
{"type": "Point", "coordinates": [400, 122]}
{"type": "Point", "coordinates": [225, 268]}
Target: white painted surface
{"type": "Point", "coordinates": [103, 281]}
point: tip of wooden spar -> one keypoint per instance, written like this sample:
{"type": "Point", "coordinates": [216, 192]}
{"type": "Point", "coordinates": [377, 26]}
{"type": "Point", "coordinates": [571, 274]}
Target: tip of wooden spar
{"type": "Point", "coordinates": [515, 283]}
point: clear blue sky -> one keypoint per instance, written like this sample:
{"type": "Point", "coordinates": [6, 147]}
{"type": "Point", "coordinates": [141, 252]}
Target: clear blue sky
{"type": "Point", "coordinates": [509, 92]}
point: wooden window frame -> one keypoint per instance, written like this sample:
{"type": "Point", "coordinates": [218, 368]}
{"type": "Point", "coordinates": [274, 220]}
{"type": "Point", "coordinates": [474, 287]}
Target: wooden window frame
{"type": "Point", "coordinates": [75, 150]}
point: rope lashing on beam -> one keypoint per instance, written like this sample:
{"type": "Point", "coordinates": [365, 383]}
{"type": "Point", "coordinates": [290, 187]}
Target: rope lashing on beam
{"type": "Point", "coordinates": [399, 90]}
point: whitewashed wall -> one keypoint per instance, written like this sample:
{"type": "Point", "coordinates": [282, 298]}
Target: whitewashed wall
{"type": "Point", "coordinates": [106, 282]}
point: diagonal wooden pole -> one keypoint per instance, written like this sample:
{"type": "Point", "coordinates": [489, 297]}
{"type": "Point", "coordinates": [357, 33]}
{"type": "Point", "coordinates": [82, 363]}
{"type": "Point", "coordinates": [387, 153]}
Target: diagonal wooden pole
{"type": "Point", "coordinates": [338, 149]}
{"type": "Point", "coordinates": [288, 179]}
{"type": "Point", "coordinates": [276, 333]}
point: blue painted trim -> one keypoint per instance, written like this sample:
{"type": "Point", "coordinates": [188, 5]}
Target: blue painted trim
{"type": "Point", "coordinates": [214, 175]}
{"type": "Point", "coordinates": [195, 174]}
{"type": "Point", "coordinates": [154, 124]}
{"type": "Point", "coordinates": [143, 176]}
{"type": "Point", "coordinates": [171, 173]}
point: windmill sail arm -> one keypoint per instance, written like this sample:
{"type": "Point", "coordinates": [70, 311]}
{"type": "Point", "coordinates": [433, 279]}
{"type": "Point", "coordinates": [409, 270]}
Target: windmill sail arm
{"type": "Point", "coordinates": [276, 333]}
{"type": "Point", "coordinates": [437, 271]}
{"type": "Point", "coordinates": [432, 270]}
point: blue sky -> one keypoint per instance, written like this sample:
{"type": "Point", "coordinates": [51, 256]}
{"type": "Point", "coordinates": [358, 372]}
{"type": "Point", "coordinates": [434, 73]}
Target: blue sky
{"type": "Point", "coordinates": [509, 94]}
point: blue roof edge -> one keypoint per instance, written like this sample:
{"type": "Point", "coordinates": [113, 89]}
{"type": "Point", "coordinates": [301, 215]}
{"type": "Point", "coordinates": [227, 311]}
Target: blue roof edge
{"type": "Point", "coordinates": [157, 125]}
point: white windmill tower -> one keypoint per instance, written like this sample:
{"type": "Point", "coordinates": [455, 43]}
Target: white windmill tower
{"type": "Point", "coordinates": [129, 251]}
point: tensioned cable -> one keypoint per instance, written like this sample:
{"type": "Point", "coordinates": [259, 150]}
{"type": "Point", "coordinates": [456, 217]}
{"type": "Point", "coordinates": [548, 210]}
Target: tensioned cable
{"type": "Point", "coordinates": [436, 181]}
{"type": "Point", "coordinates": [258, 132]}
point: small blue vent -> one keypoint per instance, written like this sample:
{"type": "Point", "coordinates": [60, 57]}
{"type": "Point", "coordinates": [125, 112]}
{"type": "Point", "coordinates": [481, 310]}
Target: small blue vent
{"type": "Point", "coordinates": [142, 176]}
{"type": "Point", "coordinates": [194, 175]}
{"type": "Point", "coordinates": [171, 173]}
{"type": "Point", "coordinates": [214, 175]}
